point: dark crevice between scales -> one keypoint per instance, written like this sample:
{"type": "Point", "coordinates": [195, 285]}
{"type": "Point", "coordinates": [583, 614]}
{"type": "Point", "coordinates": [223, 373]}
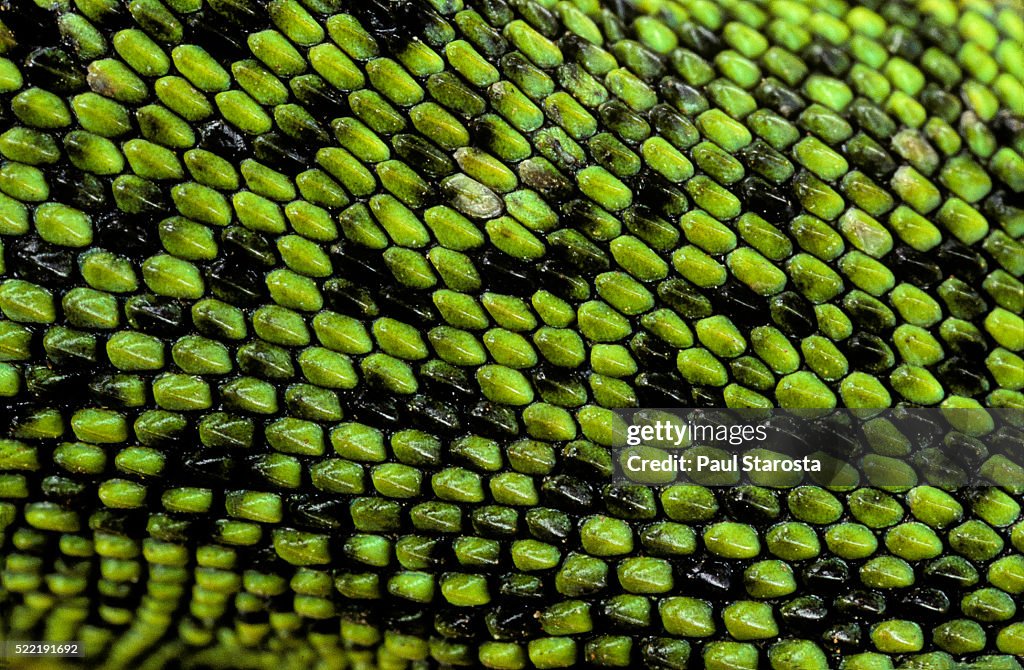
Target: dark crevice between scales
{"type": "Point", "coordinates": [394, 23]}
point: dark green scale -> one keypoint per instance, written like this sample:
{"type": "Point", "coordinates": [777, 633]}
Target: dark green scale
{"type": "Point", "coordinates": [314, 314]}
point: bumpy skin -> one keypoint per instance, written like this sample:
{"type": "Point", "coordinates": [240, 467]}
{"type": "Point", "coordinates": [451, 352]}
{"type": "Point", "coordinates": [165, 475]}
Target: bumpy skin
{"type": "Point", "coordinates": [314, 313]}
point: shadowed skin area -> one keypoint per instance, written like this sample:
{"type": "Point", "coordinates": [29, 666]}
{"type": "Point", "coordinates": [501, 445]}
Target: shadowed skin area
{"type": "Point", "coordinates": [315, 313]}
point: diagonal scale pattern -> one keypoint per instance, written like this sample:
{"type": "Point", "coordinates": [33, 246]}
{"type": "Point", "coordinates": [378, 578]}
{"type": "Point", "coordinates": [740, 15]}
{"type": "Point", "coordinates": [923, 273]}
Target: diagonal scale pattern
{"type": "Point", "coordinates": [315, 312]}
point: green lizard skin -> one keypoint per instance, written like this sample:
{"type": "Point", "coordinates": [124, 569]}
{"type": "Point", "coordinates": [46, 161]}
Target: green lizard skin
{"type": "Point", "coordinates": [315, 313]}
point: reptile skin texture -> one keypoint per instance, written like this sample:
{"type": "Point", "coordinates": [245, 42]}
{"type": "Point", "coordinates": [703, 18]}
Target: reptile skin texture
{"type": "Point", "coordinates": [314, 315]}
